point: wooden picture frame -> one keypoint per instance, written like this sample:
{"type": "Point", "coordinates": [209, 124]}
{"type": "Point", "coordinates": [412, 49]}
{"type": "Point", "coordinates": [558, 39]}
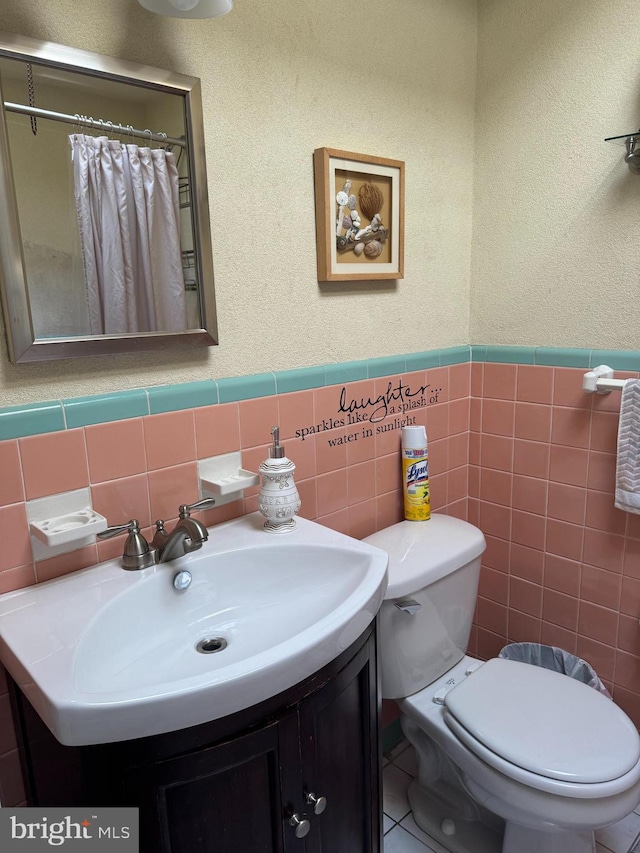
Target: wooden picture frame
{"type": "Point", "coordinates": [354, 240]}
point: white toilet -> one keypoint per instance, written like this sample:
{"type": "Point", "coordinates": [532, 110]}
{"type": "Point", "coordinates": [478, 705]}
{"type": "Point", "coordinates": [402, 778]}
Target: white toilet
{"type": "Point", "coordinates": [511, 757]}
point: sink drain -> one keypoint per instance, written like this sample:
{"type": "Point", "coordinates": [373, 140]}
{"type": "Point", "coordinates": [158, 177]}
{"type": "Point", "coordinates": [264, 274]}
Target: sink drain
{"type": "Point", "coordinates": [210, 645]}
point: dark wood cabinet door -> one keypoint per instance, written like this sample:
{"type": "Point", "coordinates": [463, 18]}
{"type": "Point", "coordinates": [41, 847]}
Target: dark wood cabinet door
{"type": "Point", "coordinates": [230, 798]}
{"type": "Point", "coordinates": [340, 759]}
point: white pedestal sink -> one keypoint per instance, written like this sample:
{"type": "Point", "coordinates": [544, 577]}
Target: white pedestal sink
{"type": "Point", "coordinates": [107, 655]}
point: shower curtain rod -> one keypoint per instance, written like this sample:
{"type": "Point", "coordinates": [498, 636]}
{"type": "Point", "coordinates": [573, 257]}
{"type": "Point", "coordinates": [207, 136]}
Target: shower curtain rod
{"type": "Point", "coordinates": [83, 121]}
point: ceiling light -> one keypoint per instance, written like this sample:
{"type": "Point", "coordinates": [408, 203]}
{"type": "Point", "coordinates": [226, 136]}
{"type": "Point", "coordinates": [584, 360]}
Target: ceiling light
{"type": "Point", "coordinates": [188, 8]}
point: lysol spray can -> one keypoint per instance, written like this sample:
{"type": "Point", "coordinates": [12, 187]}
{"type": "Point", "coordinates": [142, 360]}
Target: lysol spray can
{"type": "Point", "coordinates": [415, 474]}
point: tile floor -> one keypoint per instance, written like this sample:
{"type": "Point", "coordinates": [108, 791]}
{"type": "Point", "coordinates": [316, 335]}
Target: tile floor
{"type": "Point", "coordinates": [402, 835]}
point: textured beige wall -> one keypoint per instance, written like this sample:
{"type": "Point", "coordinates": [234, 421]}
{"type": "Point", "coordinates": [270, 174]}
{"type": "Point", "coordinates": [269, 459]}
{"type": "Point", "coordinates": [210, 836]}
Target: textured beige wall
{"type": "Point", "coordinates": [556, 228]}
{"type": "Point", "coordinates": [281, 78]}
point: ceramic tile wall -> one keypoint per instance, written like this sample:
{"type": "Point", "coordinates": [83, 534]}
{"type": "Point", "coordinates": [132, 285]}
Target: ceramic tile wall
{"type": "Point", "coordinates": [145, 467]}
{"type": "Point", "coordinates": [562, 565]}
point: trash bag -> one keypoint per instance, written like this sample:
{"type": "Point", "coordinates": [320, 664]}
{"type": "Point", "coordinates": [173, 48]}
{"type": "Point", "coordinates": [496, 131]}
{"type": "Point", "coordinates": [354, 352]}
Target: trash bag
{"type": "Point", "coordinates": [551, 657]}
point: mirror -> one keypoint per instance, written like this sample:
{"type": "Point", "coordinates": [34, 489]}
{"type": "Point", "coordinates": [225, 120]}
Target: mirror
{"type": "Point", "coordinates": [105, 244]}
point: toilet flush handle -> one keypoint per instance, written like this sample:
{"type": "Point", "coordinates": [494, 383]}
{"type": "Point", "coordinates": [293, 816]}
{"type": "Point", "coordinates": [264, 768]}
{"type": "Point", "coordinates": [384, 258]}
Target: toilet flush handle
{"type": "Point", "coordinates": [408, 605]}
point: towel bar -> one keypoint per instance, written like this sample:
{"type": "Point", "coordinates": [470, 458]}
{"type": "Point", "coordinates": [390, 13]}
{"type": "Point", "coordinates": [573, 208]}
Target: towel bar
{"type": "Point", "coordinates": [600, 381]}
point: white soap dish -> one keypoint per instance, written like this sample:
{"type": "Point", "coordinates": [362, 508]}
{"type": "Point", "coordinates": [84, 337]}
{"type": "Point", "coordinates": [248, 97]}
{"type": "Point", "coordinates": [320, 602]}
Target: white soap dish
{"type": "Point", "coordinates": [230, 483]}
{"type": "Point", "coordinates": [68, 528]}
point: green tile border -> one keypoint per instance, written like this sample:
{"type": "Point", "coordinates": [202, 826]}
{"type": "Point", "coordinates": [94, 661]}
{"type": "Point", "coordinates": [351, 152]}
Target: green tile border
{"type": "Point", "coordinates": [116, 406]}
{"type": "Point", "coordinates": [55, 415]}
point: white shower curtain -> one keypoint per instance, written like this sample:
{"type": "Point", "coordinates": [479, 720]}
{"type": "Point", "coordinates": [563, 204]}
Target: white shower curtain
{"type": "Point", "coordinates": [128, 216]}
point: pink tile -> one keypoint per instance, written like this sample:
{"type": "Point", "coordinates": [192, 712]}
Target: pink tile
{"type": "Point", "coordinates": [498, 417]}
{"type": "Point", "coordinates": [631, 562]}
{"type": "Point", "coordinates": [14, 535]}
{"type": "Point", "coordinates": [633, 525]}
{"type": "Point", "coordinates": [438, 456]}
{"type": "Point", "coordinates": [458, 450]}
{"type": "Point", "coordinates": [602, 471]}
{"type": "Point", "coordinates": [55, 567]}
{"type": "Point", "coordinates": [123, 499]}
{"type": "Point", "coordinates": [525, 597]}
{"type": "Point", "coordinates": [630, 601]}
{"type": "Point", "coordinates": [331, 451]}
{"type": "Point", "coordinates": [220, 514]}
{"type": "Point", "coordinates": [54, 462]}
{"type": "Point", "coordinates": [567, 389]}
{"type": "Point", "coordinates": [332, 492]}
{"type": "Point", "coordinates": [598, 623]}
{"type": "Point", "coordinates": [474, 481]}
{"type": "Point", "coordinates": [603, 549]}
{"type": "Point", "coordinates": [295, 413]}
{"type": "Point", "coordinates": [567, 503]}
{"type": "Point", "coordinates": [362, 449]}
{"type": "Point", "coordinates": [438, 484]}
{"type": "Point", "coordinates": [531, 459]}
{"type": "Point", "coordinates": [497, 553]}
{"type": "Point", "coordinates": [602, 587]}
{"type": "Point", "coordinates": [602, 515]}
{"type": "Point", "coordinates": [523, 628]}
{"type": "Point", "coordinates": [308, 497]}
{"type": "Point", "coordinates": [257, 417]}
{"type": "Point", "coordinates": [171, 487]}
{"type": "Point", "coordinates": [457, 484]}
{"type": "Point", "coordinates": [601, 657]}
{"type": "Point", "coordinates": [528, 529]}
{"type": "Point", "coordinates": [361, 481]}
{"type": "Point", "coordinates": [459, 416]}
{"type": "Point", "coordinates": [494, 585]}
{"type": "Point", "coordinates": [489, 644]}
{"type": "Point", "coordinates": [301, 453]}
{"type": "Point", "coordinates": [475, 414]}
{"type": "Point", "coordinates": [570, 427]}
{"type": "Point", "coordinates": [495, 486]}
{"type": "Point", "coordinates": [497, 452]}
{"type": "Point", "coordinates": [475, 441]}
{"type": "Point", "coordinates": [629, 701]}
{"type": "Point", "coordinates": [560, 609]}
{"type": "Point", "coordinates": [388, 475]}
{"type": "Point", "coordinates": [389, 510]}
{"type": "Point", "coordinates": [458, 509]}
{"type": "Point", "coordinates": [362, 519]}
{"type": "Point", "coordinates": [336, 521]}
{"type": "Point", "coordinates": [555, 635]}
{"type": "Point", "coordinates": [326, 404]}
{"type": "Point", "coordinates": [11, 488]}
{"type": "Point", "coordinates": [604, 431]}
{"type": "Point", "coordinates": [561, 574]}
{"type": "Point", "coordinates": [535, 384]}
{"type": "Point", "coordinates": [438, 421]}
{"type": "Point", "coordinates": [169, 439]}
{"type": "Point", "coordinates": [218, 430]}
{"type": "Point", "coordinates": [115, 450]}
{"type": "Point", "coordinates": [387, 439]}
{"type": "Point", "coordinates": [529, 494]}
{"type": "Point", "coordinates": [564, 539]}
{"type": "Point", "coordinates": [628, 633]}
{"type": "Point", "coordinates": [500, 381]}
{"type": "Point", "coordinates": [568, 465]}
{"type": "Point", "coordinates": [459, 381]}
{"type": "Point", "coordinates": [611, 402]}
{"type": "Point", "coordinates": [17, 578]}
{"type": "Point", "coordinates": [495, 520]}
{"type": "Point", "coordinates": [438, 378]}
{"type": "Point", "coordinates": [492, 616]}
{"type": "Point", "coordinates": [477, 378]}
{"type": "Point", "coordinates": [533, 421]}
{"type": "Point", "coordinates": [527, 563]}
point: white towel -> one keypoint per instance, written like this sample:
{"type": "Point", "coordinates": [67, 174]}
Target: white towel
{"type": "Point", "coordinates": [628, 464]}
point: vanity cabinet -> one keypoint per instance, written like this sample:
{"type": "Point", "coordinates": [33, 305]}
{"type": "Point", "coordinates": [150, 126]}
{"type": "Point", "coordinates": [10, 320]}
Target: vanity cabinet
{"type": "Point", "coordinates": [234, 785]}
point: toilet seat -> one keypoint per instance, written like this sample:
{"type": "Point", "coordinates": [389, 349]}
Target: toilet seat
{"type": "Point", "coordinates": [542, 727]}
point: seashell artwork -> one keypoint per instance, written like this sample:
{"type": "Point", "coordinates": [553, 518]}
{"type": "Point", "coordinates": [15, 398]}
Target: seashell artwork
{"type": "Point", "coordinates": [371, 200]}
{"type": "Point", "coordinates": [341, 243]}
{"type": "Point", "coordinates": [346, 222]}
{"type": "Point", "coordinates": [373, 249]}
{"type": "Point", "coordinates": [358, 249]}
{"type": "Point", "coordinates": [352, 203]}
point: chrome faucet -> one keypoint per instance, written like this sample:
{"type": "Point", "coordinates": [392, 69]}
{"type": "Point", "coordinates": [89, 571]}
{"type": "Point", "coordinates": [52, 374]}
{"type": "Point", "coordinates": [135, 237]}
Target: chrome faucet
{"type": "Point", "coordinates": [188, 535]}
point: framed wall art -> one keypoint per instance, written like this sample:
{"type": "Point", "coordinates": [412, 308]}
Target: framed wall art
{"type": "Point", "coordinates": [359, 216]}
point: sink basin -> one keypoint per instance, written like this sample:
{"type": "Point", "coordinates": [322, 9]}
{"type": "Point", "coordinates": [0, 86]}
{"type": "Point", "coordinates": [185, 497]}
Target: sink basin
{"type": "Point", "coordinates": [106, 655]}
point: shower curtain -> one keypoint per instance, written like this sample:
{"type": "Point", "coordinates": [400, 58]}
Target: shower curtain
{"type": "Point", "coordinates": [128, 216]}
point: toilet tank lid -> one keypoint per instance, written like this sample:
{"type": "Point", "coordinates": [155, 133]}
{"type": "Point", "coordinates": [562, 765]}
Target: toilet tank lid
{"type": "Point", "coordinates": [422, 552]}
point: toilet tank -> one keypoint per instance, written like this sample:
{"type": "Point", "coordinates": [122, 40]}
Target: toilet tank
{"type": "Point", "coordinates": [435, 563]}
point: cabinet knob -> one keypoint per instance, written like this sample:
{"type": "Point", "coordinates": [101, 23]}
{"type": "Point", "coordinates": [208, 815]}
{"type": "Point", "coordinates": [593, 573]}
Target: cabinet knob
{"type": "Point", "coordinates": [302, 825]}
{"type": "Point", "coordinates": [319, 803]}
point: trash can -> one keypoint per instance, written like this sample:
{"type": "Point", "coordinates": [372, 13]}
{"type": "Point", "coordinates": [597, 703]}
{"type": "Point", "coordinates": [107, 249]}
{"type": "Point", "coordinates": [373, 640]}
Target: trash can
{"type": "Point", "coordinates": [551, 657]}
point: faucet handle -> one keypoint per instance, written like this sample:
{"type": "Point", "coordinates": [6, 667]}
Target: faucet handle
{"type": "Point", "coordinates": [185, 510]}
{"type": "Point", "coordinates": [136, 554]}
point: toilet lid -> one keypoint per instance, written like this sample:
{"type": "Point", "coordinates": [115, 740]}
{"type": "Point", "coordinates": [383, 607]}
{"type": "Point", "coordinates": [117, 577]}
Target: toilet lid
{"type": "Point", "coordinates": [544, 722]}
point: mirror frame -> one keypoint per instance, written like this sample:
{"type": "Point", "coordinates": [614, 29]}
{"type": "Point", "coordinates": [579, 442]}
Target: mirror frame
{"type": "Point", "coordinates": [22, 343]}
